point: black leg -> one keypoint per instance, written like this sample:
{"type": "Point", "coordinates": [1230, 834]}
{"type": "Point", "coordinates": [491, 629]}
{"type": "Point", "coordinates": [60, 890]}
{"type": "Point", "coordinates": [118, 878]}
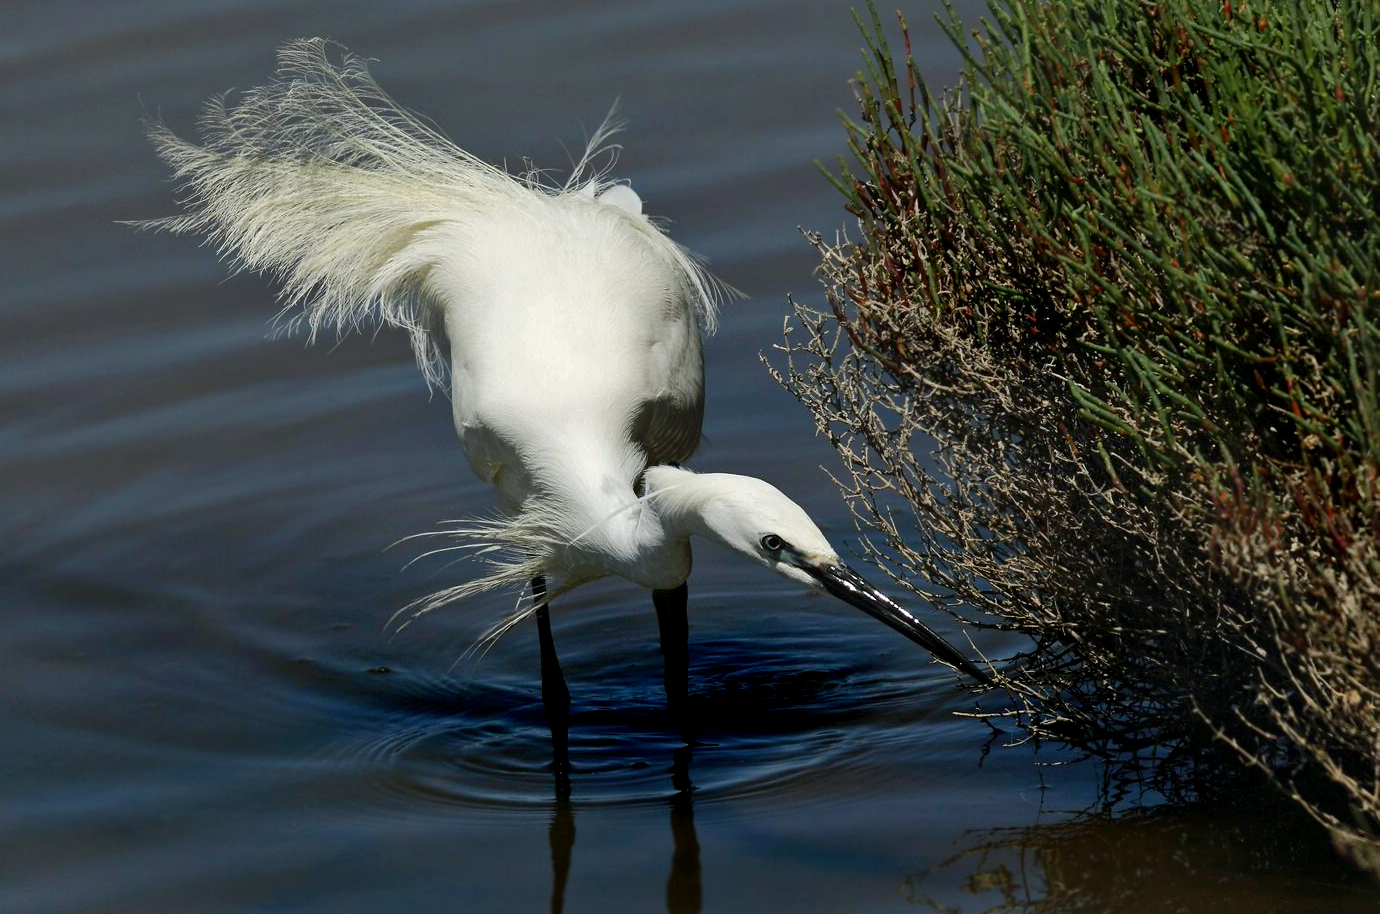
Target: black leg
{"type": "Point", "coordinates": [675, 647]}
{"type": "Point", "coordinates": [555, 696]}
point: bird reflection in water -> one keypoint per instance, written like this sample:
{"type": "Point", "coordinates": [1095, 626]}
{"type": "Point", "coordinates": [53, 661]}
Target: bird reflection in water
{"type": "Point", "coordinates": [682, 885]}
{"type": "Point", "coordinates": [561, 835]}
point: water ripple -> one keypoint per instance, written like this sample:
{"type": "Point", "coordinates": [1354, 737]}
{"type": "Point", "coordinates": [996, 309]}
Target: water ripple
{"type": "Point", "coordinates": [787, 722]}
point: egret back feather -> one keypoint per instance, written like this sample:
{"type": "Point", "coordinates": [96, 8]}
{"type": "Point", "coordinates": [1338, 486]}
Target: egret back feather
{"type": "Point", "coordinates": [320, 179]}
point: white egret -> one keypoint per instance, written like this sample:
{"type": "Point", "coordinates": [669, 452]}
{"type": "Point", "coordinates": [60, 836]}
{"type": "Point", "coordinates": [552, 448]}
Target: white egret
{"type": "Point", "coordinates": [568, 323]}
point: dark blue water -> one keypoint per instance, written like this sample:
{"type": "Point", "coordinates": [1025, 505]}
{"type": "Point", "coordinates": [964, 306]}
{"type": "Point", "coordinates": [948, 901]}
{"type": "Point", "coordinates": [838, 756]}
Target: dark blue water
{"type": "Point", "coordinates": [200, 709]}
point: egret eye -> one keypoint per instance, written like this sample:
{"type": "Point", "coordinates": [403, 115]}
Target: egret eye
{"type": "Point", "coordinates": [772, 543]}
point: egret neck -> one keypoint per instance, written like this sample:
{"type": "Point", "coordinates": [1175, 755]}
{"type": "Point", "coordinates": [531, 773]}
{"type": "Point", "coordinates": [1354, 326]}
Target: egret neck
{"type": "Point", "coordinates": [601, 526]}
{"type": "Point", "coordinates": [757, 521]}
{"type": "Point", "coordinates": [738, 512]}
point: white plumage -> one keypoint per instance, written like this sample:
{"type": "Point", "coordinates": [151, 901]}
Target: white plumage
{"type": "Point", "coordinates": [568, 324]}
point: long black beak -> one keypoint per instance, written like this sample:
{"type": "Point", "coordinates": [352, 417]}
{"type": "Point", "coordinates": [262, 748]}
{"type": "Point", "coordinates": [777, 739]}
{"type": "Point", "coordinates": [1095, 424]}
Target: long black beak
{"type": "Point", "coordinates": [844, 583]}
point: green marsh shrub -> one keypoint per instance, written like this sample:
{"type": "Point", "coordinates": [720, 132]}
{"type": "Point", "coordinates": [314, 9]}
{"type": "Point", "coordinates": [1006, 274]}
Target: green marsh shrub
{"type": "Point", "coordinates": [1102, 366]}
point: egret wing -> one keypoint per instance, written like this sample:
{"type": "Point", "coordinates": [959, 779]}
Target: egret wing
{"type": "Point", "coordinates": [667, 423]}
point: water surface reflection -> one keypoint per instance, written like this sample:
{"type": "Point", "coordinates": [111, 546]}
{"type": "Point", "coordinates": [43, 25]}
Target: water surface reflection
{"type": "Point", "coordinates": [683, 892]}
{"type": "Point", "coordinates": [1265, 856]}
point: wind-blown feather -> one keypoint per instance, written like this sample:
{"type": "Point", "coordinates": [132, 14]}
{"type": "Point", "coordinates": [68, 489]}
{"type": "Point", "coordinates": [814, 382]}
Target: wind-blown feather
{"type": "Point", "coordinates": [322, 180]}
{"type": "Point", "coordinates": [515, 549]}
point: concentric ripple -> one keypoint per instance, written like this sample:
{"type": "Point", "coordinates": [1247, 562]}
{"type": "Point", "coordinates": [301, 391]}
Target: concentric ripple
{"type": "Point", "coordinates": [781, 721]}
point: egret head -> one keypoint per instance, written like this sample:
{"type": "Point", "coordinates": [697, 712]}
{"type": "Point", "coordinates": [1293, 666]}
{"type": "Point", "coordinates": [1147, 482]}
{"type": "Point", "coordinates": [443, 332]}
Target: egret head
{"type": "Point", "coordinates": [754, 519]}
